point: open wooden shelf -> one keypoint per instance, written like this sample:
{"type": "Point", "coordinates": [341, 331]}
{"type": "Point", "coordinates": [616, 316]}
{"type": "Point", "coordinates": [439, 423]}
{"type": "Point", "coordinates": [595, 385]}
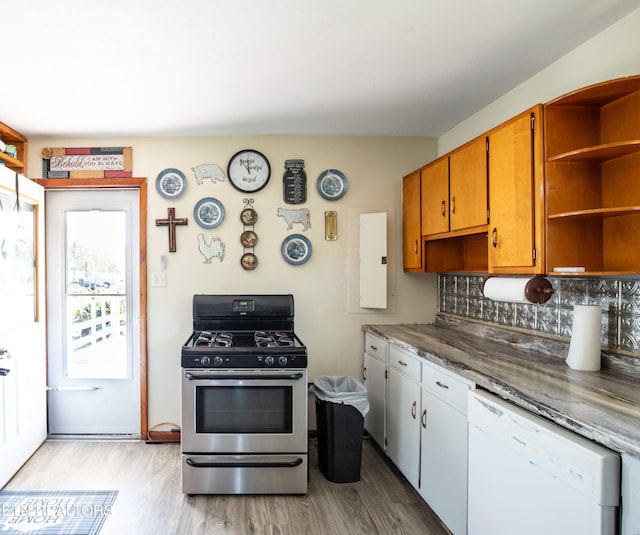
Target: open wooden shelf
{"type": "Point", "coordinates": [458, 233]}
{"type": "Point", "coordinates": [592, 190]}
{"type": "Point", "coordinates": [599, 153]}
{"type": "Point", "coordinates": [595, 273]}
{"type": "Point", "coordinates": [461, 253]}
{"type": "Point", "coordinates": [598, 212]}
{"type": "Point", "coordinates": [10, 137]}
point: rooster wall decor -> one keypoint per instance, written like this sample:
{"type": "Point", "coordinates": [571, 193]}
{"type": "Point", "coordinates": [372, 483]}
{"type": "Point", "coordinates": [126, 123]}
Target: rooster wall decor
{"type": "Point", "coordinates": [213, 249]}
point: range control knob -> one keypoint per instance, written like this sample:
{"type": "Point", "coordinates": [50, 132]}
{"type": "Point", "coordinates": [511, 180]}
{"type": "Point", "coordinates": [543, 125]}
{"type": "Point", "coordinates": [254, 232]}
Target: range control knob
{"type": "Point", "coordinates": [269, 361]}
{"type": "Point", "coordinates": [282, 361]}
{"type": "Point", "coordinates": [217, 361]}
{"type": "Point", "coordinates": [205, 361]}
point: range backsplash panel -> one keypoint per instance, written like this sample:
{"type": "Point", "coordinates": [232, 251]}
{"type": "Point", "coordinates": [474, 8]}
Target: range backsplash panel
{"type": "Point", "coordinates": [620, 300]}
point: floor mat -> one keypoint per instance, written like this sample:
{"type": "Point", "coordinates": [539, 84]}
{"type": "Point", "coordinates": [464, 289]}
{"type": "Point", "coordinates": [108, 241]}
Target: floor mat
{"type": "Point", "coordinates": [55, 512]}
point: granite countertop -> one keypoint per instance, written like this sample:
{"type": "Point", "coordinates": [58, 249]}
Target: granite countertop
{"type": "Point", "coordinates": [531, 372]}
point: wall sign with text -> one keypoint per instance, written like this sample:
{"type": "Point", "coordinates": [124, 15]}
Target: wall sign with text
{"type": "Point", "coordinates": [87, 162]}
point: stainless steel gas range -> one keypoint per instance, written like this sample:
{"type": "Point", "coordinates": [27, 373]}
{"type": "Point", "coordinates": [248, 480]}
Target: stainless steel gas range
{"type": "Point", "coordinates": [244, 398]}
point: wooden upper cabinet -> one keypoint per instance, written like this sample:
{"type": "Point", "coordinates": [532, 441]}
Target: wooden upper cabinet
{"type": "Point", "coordinates": [468, 185]}
{"type": "Point", "coordinates": [516, 202]}
{"type": "Point", "coordinates": [592, 175]}
{"type": "Point", "coordinates": [10, 137]}
{"type": "Point", "coordinates": [411, 224]}
{"type": "Point", "coordinates": [435, 197]}
{"type": "Point", "coordinates": [563, 201]}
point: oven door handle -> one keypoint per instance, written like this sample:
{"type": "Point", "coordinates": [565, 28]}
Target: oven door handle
{"type": "Point", "coordinates": [240, 377]}
{"type": "Point", "coordinates": [245, 464]}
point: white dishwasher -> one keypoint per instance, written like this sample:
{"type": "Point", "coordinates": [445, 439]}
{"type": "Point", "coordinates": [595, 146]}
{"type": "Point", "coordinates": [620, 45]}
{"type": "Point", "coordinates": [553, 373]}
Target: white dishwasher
{"type": "Point", "coordinates": [530, 476]}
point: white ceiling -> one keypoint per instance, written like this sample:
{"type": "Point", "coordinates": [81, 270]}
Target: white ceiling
{"type": "Point", "coordinates": [247, 67]}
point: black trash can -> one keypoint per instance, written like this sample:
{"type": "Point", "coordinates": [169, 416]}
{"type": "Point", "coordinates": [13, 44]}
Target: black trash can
{"type": "Point", "coordinates": [341, 405]}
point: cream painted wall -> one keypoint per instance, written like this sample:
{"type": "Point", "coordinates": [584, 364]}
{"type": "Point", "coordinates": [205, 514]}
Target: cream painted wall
{"type": "Point", "coordinates": [328, 318]}
{"type": "Point", "coordinates": [324, 287]}
{"type": "Point", "coordinates": [613, 53]}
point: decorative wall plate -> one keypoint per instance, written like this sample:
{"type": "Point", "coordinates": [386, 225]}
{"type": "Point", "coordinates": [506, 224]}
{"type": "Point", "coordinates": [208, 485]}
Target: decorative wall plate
{"type": "Point", "coordinates": [249, 261]}
{"type": "Point", "coordinates": [248, 238]}
{"type": "Point", "coordinates": [296, 249]}
{"type": "Point", "coordinates": [248, 216]}
{"type": "Point", "coordinates": [208, 212]}
{"type": "Point", "coordinates": [171, 183]}
{"type": "Point", "coordinates": [332, 184]}
{"type": "Point", "coordinates": [249, 170]}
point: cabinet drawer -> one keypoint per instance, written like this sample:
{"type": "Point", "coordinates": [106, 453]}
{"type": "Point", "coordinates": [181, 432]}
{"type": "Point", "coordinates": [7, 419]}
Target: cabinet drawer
{"type": "Point", "coordinates": [376, 346]}
{"type": "Point", "coordinates": [446, 385]}
{"type": "Point", "coordinates": [404, 362]}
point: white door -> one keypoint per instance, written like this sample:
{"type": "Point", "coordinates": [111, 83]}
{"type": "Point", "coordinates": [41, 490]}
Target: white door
{"type": "Point", "coordinates": [23, 413]}
{"type": "Point", "coordinates": [443, 464]}
{"type": "Point", "coordinates": [403, 428]}
{"type": "Point", "coordinates": [376, 383]}
{"type": "Point", "coordinates": [94, 312]}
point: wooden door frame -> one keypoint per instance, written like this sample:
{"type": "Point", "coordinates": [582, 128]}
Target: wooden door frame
{"type": "Point", "coordinates": [122, 183]}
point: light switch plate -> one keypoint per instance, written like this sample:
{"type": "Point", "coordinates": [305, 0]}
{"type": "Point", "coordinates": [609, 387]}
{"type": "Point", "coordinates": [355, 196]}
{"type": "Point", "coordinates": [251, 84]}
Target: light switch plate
{"type": "Point", "coordinates": [159, 280]}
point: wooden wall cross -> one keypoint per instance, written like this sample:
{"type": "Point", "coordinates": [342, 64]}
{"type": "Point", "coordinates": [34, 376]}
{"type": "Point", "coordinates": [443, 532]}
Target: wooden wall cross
{"type": "Point", "coordinates": [171, 222]}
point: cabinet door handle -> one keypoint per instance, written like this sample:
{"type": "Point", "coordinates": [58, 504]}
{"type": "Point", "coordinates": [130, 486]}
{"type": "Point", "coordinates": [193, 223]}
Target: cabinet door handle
{"type": "Point", "coordinates": [453, 205]}
{"type": "Point", "coordinates": [415, 247]}
{"type": "Point", "coordinates": [443, 207]}
{"type": "Point", "coordinates": [424, 419]}
{"type": "Point", "coordinates": [364, 373]}
{"type": "Point", "coordinates": [375, 348]}
{"type": "Point", "coordinates": [413, 409]}
{"type": "Point", "coordinates": [494, 237]}
{"type": "Point", "coordinates": [402, 363]}
{"type": "Point", "coordinates": [442, 385]}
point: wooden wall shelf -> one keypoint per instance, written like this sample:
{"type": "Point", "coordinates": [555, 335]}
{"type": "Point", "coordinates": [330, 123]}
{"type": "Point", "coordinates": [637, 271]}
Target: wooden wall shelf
{"type": "Point", "coordinates": [599, 153]}
{"type": "Point", "coordinates": [10, 137]}
{"type": "Point", "coordinates": [481, 229]}
{"type": "Point", "coordinates": [592, 190]}
{"type": "Point", "coordinates": [598, 212]}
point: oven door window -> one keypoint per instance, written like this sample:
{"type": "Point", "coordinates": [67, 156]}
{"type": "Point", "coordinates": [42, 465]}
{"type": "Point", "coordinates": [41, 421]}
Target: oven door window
{"type": "Point", "coordinates": [244, 409]}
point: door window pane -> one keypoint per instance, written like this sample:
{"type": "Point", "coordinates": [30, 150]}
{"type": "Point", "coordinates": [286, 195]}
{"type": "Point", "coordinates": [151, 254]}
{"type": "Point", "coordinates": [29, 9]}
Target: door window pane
{"type": "Point", "coordinates": [17, 263]}
{"type": "Point", "coordinates": [95, 300]}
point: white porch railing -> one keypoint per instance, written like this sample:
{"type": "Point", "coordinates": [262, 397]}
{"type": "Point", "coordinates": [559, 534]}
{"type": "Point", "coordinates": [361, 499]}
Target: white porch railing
{"type": "Point", "coordinates": [107, 319]}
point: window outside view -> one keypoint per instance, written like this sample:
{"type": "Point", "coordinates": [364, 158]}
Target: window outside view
{"type": "Point", "coordinates": [96, 344]}
{"type": "Point", "coordinates": [17, 263]}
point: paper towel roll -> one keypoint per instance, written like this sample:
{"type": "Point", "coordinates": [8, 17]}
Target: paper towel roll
{"type": "Point", "coordinates": [511, 290]}
{"type": "Point", "coordinates": [518, 289]}
{"type": "Point", "coordinates": [584, 348]}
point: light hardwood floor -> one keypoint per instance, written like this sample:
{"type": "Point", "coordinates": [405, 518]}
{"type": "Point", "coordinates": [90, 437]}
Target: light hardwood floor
{"type": "Point", "coordinates": [150, 500]}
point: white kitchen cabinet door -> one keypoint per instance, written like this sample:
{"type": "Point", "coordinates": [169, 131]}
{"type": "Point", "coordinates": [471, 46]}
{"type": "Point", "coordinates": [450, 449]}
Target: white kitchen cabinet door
{"type": "Point", "coordinates": [403, 425]}
{"type": "Point", "coordinates": [376, 384]}
{"type": "Point", "coordinates": [373, 260]}
{"type": "Point", "coordinates": [23, 426]}
{"type": "Point", "coordinates": [443, 468]}
{"type": "Point", "coordinates": [630, 483]}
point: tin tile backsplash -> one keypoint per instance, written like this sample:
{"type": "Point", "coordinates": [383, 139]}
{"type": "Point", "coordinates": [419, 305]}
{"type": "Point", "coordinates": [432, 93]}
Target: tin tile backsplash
{"type": "Point", "coordinates": [620, 300]}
